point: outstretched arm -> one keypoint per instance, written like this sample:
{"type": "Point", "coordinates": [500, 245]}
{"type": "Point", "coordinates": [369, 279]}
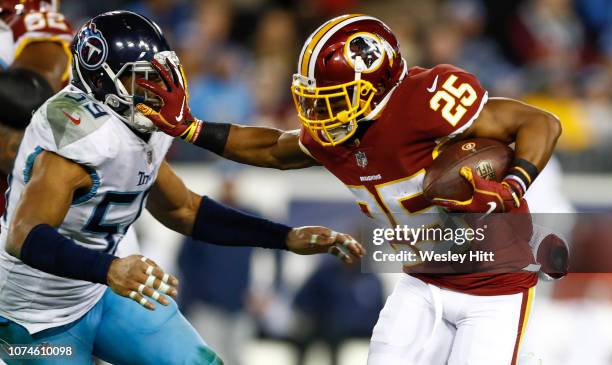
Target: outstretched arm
{"type": "Point", "coordinates": [266, 147]}
{"type": "Point", "coordinates": [257, 146]}
{"type": "Point", "coordinates": [186, 212]}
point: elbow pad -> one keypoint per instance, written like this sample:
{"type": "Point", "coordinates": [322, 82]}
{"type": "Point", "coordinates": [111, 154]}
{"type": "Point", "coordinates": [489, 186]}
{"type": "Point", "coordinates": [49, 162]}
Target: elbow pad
{"type": "Point", "coordinates": [21, 93]}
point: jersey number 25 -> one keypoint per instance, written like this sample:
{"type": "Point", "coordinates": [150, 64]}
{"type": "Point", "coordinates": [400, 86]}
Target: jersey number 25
{"type": "Point", "coordinates": [449, 96]}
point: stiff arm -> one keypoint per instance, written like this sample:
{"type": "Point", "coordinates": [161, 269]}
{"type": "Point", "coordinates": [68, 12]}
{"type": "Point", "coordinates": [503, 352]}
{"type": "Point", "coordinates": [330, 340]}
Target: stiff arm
{"type": "Point", "coordinates": [257, 146]}
{"type": "Point", "coordinates": [266, 147]}
{"type": "Point", "coordinates": [200, 217]}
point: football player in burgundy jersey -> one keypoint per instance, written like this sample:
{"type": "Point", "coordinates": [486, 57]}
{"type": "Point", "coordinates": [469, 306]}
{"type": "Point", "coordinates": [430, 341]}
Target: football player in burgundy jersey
{"type": "Point", "coordinates": [34, 64]}
{"type": "Point", "coordinates": [377, 125]}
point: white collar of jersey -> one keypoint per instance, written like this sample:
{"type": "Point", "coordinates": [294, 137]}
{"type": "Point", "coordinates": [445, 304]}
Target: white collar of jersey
{"type": "Point", "coordinates": [375, 113]}
{"type": "Point", "coordinates": [106, 107]}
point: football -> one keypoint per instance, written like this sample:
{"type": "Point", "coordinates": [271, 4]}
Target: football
{"type": "Point", "coordinates": [487, 157]}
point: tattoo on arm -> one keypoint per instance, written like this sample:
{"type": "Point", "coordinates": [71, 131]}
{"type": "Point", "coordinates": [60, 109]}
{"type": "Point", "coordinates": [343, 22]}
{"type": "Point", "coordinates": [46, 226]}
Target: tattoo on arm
{"type": "Point", "coordinates": [9, 145]}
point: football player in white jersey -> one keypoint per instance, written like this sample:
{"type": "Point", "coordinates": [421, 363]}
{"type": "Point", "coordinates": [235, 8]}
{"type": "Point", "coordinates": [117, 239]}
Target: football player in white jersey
{"type": "Point", "coordinates": [35, 61]}
{"type": "Point", "coordinates": [86, 167]}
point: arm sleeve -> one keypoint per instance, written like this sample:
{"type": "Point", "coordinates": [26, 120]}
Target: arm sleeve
{"type": "Point", "coordinates": [217, 224]}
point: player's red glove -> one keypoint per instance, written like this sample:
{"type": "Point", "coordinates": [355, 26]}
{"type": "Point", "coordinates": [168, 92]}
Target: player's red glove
{"type": "Point", "coordinates": [489, 196]}
{"type": "Point", "coordinates": [174, 118]}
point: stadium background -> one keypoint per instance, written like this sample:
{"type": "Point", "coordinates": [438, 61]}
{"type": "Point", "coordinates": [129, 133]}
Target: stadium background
{"type": "Point", "coordinates": [258, 307]}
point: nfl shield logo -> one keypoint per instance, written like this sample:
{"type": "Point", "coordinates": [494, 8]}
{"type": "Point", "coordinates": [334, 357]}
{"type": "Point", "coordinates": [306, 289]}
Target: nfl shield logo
{"type": "Point", "coordinates": [485, 170]}
{"type": "Point", "coordinates": [362, 159]}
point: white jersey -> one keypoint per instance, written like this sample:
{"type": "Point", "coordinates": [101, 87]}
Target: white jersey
{"type": "Point", "coordinates": [22, 32]}
{"type": "Point", "coordinates": [123, 168]}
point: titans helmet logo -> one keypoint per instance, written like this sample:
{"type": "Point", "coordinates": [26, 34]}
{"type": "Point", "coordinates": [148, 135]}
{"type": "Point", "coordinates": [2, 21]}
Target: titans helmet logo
{"type": "Point", "coordinates": [92, 48]}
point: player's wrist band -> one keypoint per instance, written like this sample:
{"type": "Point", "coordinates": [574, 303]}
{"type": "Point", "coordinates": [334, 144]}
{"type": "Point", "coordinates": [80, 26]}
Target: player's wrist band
{"type": "Point", "coordinates": [521, 175]}
{"type": "Point", "coordinates": [47, 250]}
{"type": "Point", "coordinates": [221, 225]}
{"type": "Point", "coordinates": [212, 136]}
{"type": "Point", "coordinates": [192, 132]}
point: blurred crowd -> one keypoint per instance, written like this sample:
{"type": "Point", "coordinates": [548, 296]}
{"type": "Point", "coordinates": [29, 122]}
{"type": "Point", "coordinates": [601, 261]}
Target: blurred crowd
{"type": "Point", "coordinates": [239, 55]}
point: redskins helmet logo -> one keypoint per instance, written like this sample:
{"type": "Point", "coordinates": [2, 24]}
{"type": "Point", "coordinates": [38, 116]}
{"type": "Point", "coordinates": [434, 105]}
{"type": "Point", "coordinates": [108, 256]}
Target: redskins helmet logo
{"type": "Point", "coordinates": [92, 48]}
{"type": "Point", "coordinates": [370, 48]}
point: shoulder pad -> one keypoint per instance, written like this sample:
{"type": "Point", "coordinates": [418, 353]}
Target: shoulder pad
{"type": "Point", "coordinates": [73, 116]}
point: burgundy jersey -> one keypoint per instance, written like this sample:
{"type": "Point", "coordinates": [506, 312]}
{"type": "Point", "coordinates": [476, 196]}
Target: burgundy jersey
{"type": "Point", "coordinates": [386, 167]}
{"type": "Point", "coordinates": [25, 22]}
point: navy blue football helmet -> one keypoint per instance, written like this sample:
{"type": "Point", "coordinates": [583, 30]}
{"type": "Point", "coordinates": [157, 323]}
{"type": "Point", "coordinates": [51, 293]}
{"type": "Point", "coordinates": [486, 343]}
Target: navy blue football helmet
{"type": "Point", "coordinates": [110, 47]}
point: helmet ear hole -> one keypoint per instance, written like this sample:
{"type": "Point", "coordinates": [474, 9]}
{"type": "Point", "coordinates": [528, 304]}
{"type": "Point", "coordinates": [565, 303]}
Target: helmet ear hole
{"type": "Point", "coordinates": [328, 57]}
{"type": "Point", "coordinates": [97, 81]}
